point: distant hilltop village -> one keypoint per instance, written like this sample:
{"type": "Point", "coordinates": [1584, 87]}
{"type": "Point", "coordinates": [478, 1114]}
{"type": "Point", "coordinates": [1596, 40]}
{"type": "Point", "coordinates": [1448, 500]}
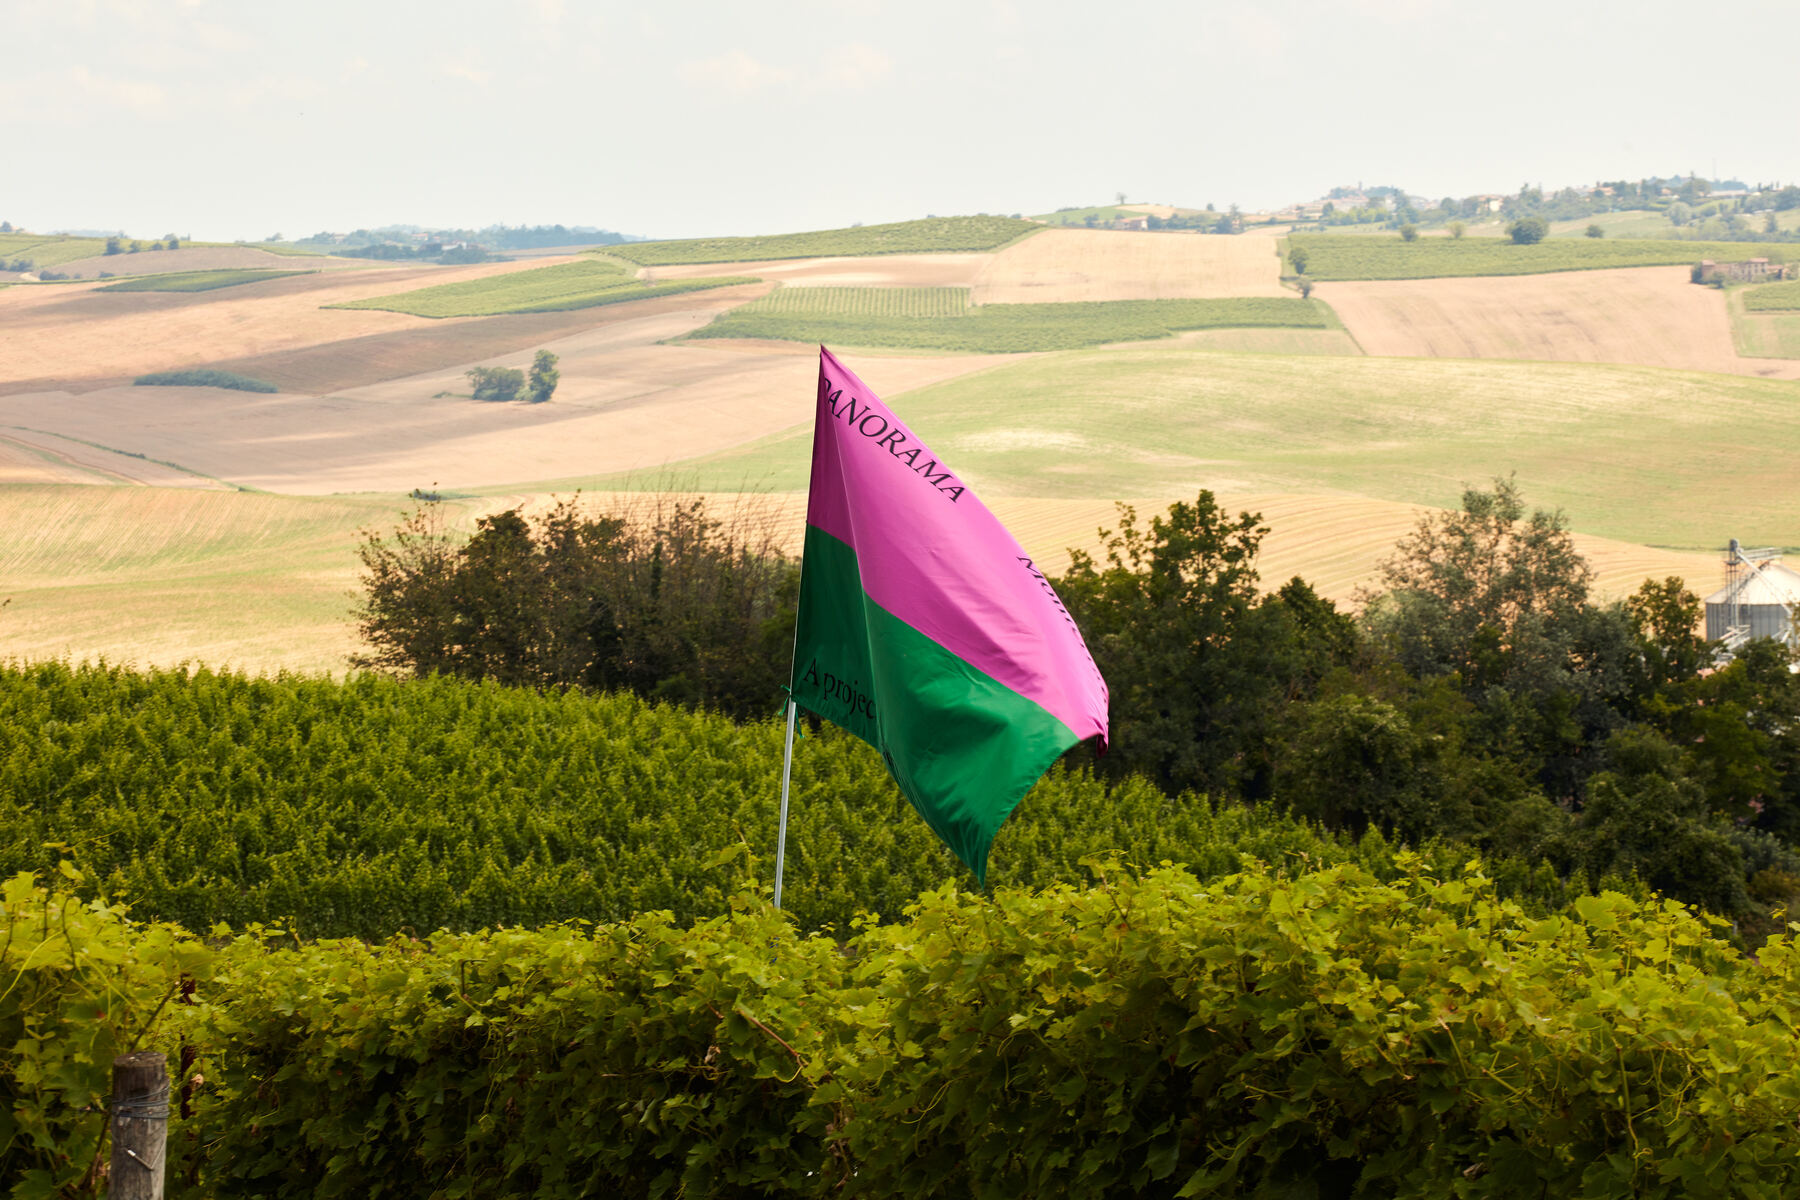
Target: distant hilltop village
{"type": "Point", "coordinates": [1718, 209]}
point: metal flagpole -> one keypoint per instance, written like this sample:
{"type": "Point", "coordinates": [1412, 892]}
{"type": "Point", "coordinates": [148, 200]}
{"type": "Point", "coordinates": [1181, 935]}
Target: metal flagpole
{"type": "Point", "coordinates": [787, 771]}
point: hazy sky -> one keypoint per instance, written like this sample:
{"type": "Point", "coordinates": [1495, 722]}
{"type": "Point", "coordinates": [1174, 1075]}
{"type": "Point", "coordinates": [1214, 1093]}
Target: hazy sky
{"type": "Point", "coordinates": [239, 118]}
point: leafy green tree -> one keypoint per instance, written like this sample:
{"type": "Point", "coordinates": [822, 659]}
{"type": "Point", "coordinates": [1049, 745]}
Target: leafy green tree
{"type": "Point", "coordinates": [544, 376]}
{"type": "Point", "coordinates": [1409, 232]}
{"type": "Point", "coordinates": [1197, 667]}
{"type": "Point", "coordinates": [173, 242]}
{"type": "Point", "coordinates": [1644, 817]}
{"type": "Point", "coordinates": [1667, 618]}
{"type": "Point", "coordinates": [499, 384]}
{"type": "Point", "coordinates": [669, 604]}
{"type": "Point", "coordinates": [1527, 231]}
{"type": "Point", "coordinates": [1594, 231]}
{"type": "Point", "coordinates": [1498, 600]}
{"type": "Point", "coordinates": [115, 246]}
{"type": "Point", "coordinates": [1298, 256]}
{"type": "Point", "coordinates": [1457, 228]}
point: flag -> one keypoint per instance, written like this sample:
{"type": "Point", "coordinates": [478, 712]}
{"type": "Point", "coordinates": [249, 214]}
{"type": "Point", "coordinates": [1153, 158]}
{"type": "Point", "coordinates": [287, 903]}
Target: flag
{"type": "Point", "coordinates": [926, 631]}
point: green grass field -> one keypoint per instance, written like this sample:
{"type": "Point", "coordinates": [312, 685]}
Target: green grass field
{"type": "Point", "coordinates": [196, 281]}
{"type": "Point", "coordinates": [943, 319]}
{"type": "Point", "coordinates": [1770, 333]}
{"type": "Point", "coordinates": [1346, 257]}
{"type": "Point", "coordinates": [48, 252]}
{"type": "Point", "coordinates": [933, 235]}
{"type": "Point", "coordinates": [1773, 297]}
{"type": "Point", "coordinates": [560, 288]}
{"type": "Point", "coordinates": [161, 575]}
{"type": "Point", "coordinates": [1689, 460]}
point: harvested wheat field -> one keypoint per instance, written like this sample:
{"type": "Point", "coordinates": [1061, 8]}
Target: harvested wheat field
{"type": "Point", "coordinates": [1060, 265]}
{"type": "Point", "coordinates": [1646, 316]}
{"type": "Point", "coordinates": [1335, 543]}
{"type": "Point", "coordinates": [67, 333]}
{"type": "Point", "coordinates": [624, 404]}
{"type": "Point", "coordinates": [33, 456]}
{"type": "Point", "coordinates": [209, 258]}
{"type": "Point", "coordinates": [878, 270]}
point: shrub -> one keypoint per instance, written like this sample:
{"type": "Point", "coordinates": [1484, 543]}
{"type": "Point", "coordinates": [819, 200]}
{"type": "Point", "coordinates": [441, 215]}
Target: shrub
{"type": "Point", "coordinates": [1527, 231]}
{"type": "Point", "coordinates": [203, 377]}
{"type": "Point", "coordinates": [496, 383]}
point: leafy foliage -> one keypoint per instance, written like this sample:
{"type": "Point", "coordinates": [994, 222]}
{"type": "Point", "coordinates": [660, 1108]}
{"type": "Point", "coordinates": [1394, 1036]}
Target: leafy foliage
{"type": "Point", "coordinates": [932, 235]}
{"type": "Point", "coordinates": [671, 603]}
{"type": "Point", "coordinates": [544, 376]}
{"type": "Point", "coordinates": [585, 284]}
{"type": "Point", "coordinates": [195, 281]}
{"type": "Point", "coordinates": [499, 384]}
{"type": "Point", "coordinates": [1152, 1034]}
{"type": "Point", "coordinates": [204, 377]}
{"type": "Point", "coordinates": [1350, 257]}
{"type": "Point", "coordinates": [372, 805]}
{"type": "Point", "coordinates": [930, 319]}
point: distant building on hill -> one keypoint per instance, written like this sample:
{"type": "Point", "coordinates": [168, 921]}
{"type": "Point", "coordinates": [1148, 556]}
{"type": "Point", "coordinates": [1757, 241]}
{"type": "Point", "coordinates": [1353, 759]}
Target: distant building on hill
{"type": "Point", "coordinates": [1751, 270]}
{"type": "Point", "coordinates": [1761, 598]}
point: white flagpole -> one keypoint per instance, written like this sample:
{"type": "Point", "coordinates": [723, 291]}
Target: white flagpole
{"type": "Point", "coordinates": [787, 771]}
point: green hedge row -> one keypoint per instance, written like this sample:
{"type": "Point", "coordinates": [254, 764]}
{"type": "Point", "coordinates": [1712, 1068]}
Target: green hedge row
{"type": "Point", "coordinates": [373, 806]}
{"type": "Point", "coordinates": [1321, 1035]}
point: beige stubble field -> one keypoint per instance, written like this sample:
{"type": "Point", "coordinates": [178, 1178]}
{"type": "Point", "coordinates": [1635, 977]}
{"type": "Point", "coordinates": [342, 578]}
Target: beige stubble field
{"type": "Point", "coordinates": [1647, 316]}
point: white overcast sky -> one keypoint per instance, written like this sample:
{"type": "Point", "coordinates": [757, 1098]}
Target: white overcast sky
{"type": "Point", "coordinates": [232, 119]}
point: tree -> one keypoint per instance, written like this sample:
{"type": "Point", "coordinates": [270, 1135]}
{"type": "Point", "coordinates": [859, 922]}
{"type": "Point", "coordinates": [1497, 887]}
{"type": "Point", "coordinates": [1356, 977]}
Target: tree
{"type": "Point", "coordinates": [1306, 287]}
{"type": "Point", "coordinates": [1409, 232]}
{"type": "Point", "coordinates": [1594, 231]}
{"type": "Point", "coordinates": [1528, 231]}
{"type": "Point", "coordinates": [1467, 583]}
{"type": "Point", "coordinates": [136, 247]}
{"type": "Point", "coordinates": [1197, 667]}
{"type": "Point", "coordinates": [115, 246]}
{"type": "Point", "coordinates": [665, 602]}
{"type": "Point", "coordinates": [496, 383]}
{"type": "Point", "coordinates": [543, 376]}
{"type": "Point", "coordinates": [6, 227]}
{"type": "Point", "coordinates": [173, 242]}
{"type": "Point", "coordinates": [1298, 256]}
{"type": "Point", "coordinates": [1770, 224]}
{"type": "Point", "coordinates": [1457, 228]}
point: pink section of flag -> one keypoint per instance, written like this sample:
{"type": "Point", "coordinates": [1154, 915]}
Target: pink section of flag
{"type": "Point", "coordinates": [932, 554]}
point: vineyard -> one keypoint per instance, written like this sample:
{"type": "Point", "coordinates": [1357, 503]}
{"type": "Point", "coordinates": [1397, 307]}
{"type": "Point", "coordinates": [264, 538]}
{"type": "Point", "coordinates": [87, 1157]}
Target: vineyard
{"type": "Point", "coordinates": [196, 281]}
{"type": "Point", "coordinates": [1314, 1033]}
{"type": "Point", "coordinates": [48, 251]}
{"type": "Point", "coordinates": [372, 806]}
{"type": "Point", "coordinates": [942, 319]}
{"type": "Point", "coordinates": [586, 284]}
{"type": "Point", "coordinates": [1773, 297]}
{"type": "Point", "coordinates": [1348, 257]}
{"type": "Point", "coordinates": [934, 234]}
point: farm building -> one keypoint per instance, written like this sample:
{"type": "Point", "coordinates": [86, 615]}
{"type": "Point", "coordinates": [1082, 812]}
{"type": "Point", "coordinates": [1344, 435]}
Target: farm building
{"type": "Point", "coordinates": [1761, 598]}
{"type": "Point", "coordinates": [1752, 270]}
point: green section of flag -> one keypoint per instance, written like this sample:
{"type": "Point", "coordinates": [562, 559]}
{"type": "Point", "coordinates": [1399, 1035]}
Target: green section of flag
{"type": "Point", "coordinates": [963, 747]}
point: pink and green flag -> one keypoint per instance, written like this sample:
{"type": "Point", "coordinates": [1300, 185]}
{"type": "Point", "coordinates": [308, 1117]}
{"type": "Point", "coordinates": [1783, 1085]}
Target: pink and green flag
{"type": "Point", "coordinates": [926, 631]}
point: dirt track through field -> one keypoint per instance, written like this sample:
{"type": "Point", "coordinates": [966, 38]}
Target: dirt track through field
{"type": "Point", "coordinates": [1061, 265]}
{"type": "Point", "coordinates": [1648, 316]}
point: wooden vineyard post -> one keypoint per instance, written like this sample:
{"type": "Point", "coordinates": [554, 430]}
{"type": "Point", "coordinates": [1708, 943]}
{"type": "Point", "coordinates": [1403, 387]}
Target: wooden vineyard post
{"type": "Point", "coordinates": [140, 1125]}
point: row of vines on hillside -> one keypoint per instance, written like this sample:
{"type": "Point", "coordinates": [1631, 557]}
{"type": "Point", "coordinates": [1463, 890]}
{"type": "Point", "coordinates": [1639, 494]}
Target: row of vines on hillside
{"type": "Point", "coordinates": [371, 806]}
